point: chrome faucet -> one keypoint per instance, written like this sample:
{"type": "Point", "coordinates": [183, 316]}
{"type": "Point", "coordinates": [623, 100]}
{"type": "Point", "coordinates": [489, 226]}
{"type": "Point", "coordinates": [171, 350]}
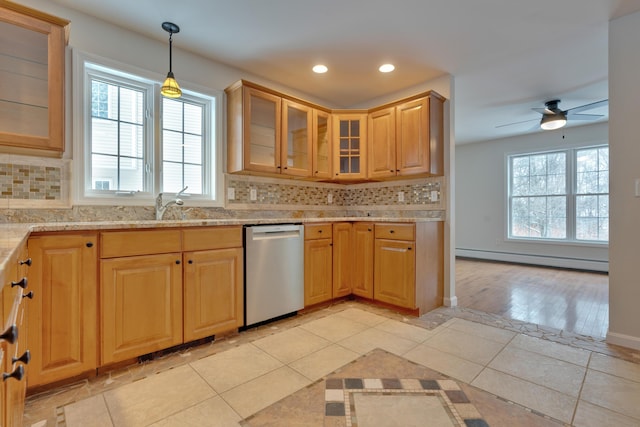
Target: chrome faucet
{"type": "Point", "coordinates": [160, 208]}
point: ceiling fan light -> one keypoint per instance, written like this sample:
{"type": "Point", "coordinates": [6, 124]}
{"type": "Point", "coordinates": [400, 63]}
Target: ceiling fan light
{"type": "Point", "coordinates": [320, 69]}
{"type": "Point", "coordinates": [386, 68]}
{"type": "Point", "coordinates": [553, 121]}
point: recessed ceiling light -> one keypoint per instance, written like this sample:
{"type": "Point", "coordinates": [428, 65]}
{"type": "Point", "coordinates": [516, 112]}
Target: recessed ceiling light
{"type": "Point", "coordinates": [386, 68]}
{"type": "Point", "coordinates": [320, 69]}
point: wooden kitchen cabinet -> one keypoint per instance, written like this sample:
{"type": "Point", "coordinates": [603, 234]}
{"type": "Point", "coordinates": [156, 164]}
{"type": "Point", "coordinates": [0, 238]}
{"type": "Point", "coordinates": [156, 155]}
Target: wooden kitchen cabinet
{"type": "Point", "coordinates": [350, 146]}
{"type": "Point", "coordinates": [140, 293]}
{"type": "Point", "coordinates": [14, 358]}
{"type": "Point", "coordinates": [408, 270]}
{"type": "Point", "coordinates": [253, 129]}
{"type": "Point", "coordinates": [32, 93]}
{"type": "Point", "coordinates": [406, 138]}
{"type": "Point", "coordinates": [297, 133]}
{"type": "Point", "coordinates": [322, 145]}
{"type": "Point", "coordinates": [362, 259]}
{"type": "Point", "coordinates": [62, 320]}
{"type": "Point", "coordinates": [394, 272]}
{"type": "Point", "coordinates": [342, 258]}
{"type": "Point", "coordinates": [318, 264]}
{"type": "Point", "coordinates": [213, 281]}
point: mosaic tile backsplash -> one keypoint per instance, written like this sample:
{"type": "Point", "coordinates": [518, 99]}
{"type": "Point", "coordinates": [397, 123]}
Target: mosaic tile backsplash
{"type": "Point", "coordinates": [31, 182]}
{"type": "Point", "coordinates": [30, 190]}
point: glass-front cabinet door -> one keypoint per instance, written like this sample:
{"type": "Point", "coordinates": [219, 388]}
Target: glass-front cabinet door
{"type": "Point", "coordinates": [322, 144]}
{"type": "Point", "coordinates": [32, 49]}
{"type": "Point", "coordinates": [350, 146]}
{"type": "Point", "coordinates": [295, 156]}
{"type": "Point", "coordinates": [261, 131]}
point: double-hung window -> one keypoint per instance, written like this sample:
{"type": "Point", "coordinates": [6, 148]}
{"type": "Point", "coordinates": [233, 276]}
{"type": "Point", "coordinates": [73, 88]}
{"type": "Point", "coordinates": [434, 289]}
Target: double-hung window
{"type": "Point", "coordinates": [559, 195]}
{"type": "Point", "coordinates": [133, 143]}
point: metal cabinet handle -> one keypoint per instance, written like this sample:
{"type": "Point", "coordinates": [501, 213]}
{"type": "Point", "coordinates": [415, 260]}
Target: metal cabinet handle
{"type": "Point", "coordinates": [391, 231]}
{"type": "Point", "coordinates": [368, 229]}
{"type": "Point", "coordinates": [25, 358]}
{"type": "Point", "coordinates": [17, 373]}
{"type": "Point", "coordinates": [319, 231]}
{"type": "Point", "coordinates": [190, 261]}
{"type": "Point", "coordinates": [409, 248]}
{"type": "Point", "coordinates": [177, 261]}
{"type": "Point", "coordinates": [28, 295]}
{"type": "Point", "coordinates": [89, 244]}
{"type": "Point", "coordinates": [10, 335]}
{"type": "Point", "coordinates": [22, 283]}
{"type": "Point", "coordinates": [26, 261]}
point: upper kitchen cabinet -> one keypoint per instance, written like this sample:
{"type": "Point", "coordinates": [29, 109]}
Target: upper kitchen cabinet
{"type": "Point", "coordinates": [296, 153]}
{"type": "Point", "coordinates": [32, 61]}
{"type": "Point", "coordinates": [268, 133]}
{"type": "Point", "coordinates": [350, 146]}
{"type": "Point", "coordinates": [322, 144]}
{"type": "Point", "coordinates": [406, 138]}
{"type": "Point", "coordinates": [253, 130]}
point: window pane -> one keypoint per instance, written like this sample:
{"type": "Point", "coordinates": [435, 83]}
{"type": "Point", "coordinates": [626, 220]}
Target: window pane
{"type": "Point", "coordinates": [557, 184]}
{"type": "Point", "coordinates": [193, 149]}
{"type": "Point", "coordinates": [172, 175]}
{"type": "Point", "coordinates": [520, 166]}
{"type": "Point", "coordinates": [117, 130]}
{"type": "Point", "coordinates": [182, 145]}
{"type": "Point", "coordinates": [172, 114]}
{"type": "Point", "coordinates": [104, 136]}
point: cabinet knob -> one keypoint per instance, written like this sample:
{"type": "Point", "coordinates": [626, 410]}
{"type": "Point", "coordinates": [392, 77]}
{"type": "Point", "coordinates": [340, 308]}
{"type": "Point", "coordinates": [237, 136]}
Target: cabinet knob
{"type": "Point", "coordinates": [316, 171]}
{"type": "Point", "coordinates": [409, 248]}
{"type": "Point", "coordinates": [89, 244]}
{"type": "Point", "coordinates": [286, 167]}
{"type": "Point", "coordinates": [22, 283]}
{"type": "Point", "coordinates": [25, 358]}
{"type": "Point", "coordinates": [28, 295]}
{"type": "Point", "coordinates": [319, 231]}
{"type": "Point", "coordinates": [177, 261]}
{"type": "Point", "coordinates": [368, 229]}
{"type": "Point", "coordinates": [397, 170]}
{"type": "Point", "coordinates": [10, 335]}
{"type": "Point", "coordinates": [17, 373]}
{"type": "Point", "coordinates": [391, 231]}
{"type": "Point", "coordinates": [391, 171]}
{"type": "Point", "coordinates": [26, 261]}
{"type": "Point", "coordinates": [190, 261]}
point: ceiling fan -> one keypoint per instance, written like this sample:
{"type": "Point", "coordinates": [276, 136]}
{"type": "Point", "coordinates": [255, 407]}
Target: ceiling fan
{"type": "Point", "coordinates": [555, 118]}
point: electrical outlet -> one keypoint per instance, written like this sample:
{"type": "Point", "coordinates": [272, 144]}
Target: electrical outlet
{"type": "Point", "coordinates": [253, 195]}
{"type": "Point", "coordinates": [434, 196]}
{"type": "Point", "coordinates": [400, 196]}
{"type": "Point", "coordinates": [329, 198]}
{"type": "Point", "coordinates": [231, 193]}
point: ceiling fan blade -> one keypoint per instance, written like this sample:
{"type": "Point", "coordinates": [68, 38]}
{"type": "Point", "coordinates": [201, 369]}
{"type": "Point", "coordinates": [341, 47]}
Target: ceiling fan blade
{"type": "Point", "coordinates": [517, 123]}
{"type": "Point", "coordinates": [585, 107]}
{"type": "Point", "coordinates": [572, 116]}
{"type": "Point", "coordinates": [543, 110]}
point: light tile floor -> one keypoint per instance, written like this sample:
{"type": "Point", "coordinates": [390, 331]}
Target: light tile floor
{"type": "Point", "coordinates": [575, 386]}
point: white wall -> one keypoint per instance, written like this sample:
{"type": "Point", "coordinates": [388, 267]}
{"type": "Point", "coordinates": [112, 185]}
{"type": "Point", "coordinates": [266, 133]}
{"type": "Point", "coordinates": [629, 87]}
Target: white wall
{"type": "Point", "coordinates": [481, 200]}
{"type": "Point", "coordinates": [624, 140]}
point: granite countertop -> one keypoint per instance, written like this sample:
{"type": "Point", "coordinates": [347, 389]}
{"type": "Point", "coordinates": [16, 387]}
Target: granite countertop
{"type": "Point", "coordinates": [12, 236]}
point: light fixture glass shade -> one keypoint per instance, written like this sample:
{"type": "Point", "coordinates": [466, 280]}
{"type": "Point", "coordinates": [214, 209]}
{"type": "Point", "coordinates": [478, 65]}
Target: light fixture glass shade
{"type": "Point", "coordinates": [553, 121]}
{"type": "Point", "coordinates": [170, 87]}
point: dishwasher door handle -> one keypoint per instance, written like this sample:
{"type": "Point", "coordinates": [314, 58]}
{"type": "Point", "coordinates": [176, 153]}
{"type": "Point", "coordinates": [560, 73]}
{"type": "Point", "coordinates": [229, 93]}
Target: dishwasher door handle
{"type": "Point", "coordinates": [265, 235]}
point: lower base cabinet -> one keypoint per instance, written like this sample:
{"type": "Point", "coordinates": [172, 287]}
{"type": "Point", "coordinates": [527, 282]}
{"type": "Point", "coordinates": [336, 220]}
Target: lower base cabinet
{"type": "Point", "coordinates": [141, 305]}
{"type": "Point", "coordinates": [213, 292]}
{"type": "Point", "coordinates": [318, 264]}
{"type": "Point", "coordinates": [62, 319]}
{"type": "Point", "coordinates": [362, 259]}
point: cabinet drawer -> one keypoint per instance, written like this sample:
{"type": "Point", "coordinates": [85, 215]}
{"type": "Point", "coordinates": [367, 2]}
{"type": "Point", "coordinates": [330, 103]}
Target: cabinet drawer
{"type": "Point", "coordinates": [198, 239]}
{"type": "Point", "coordinates": [129, 243]}
{"type": "Point", "coordinates": [395, 231]}
{"type": "Point", "coordinates": [317, 231]}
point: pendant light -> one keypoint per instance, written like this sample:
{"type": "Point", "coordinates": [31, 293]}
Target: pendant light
{"type": "Point", "coordinates": [170, 87]}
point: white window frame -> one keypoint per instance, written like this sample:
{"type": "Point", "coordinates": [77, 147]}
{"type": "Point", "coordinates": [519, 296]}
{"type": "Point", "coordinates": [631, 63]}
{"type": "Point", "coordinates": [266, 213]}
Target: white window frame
{"type": "Point", "coordinates": [570, 195]}
{"type": "Point", "coordinates": [85, 65]}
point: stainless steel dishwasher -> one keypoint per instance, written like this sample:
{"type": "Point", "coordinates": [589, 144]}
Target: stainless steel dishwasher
{"type": "Point", "coordinates": [274, 271]}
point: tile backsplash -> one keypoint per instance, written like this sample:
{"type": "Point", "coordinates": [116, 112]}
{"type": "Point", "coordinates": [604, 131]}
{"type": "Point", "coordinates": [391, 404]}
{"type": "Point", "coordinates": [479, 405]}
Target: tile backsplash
{"type": "Point", "coordinates": [37, 190]}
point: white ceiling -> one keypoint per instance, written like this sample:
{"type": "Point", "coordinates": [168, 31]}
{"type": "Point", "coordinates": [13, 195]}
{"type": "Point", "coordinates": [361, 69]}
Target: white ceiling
{"type": "Point", "coordinates": [506, 56]}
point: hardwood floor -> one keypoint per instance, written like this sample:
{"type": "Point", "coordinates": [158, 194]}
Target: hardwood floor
{"type": "Point", "coordinates": [573, 301]}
